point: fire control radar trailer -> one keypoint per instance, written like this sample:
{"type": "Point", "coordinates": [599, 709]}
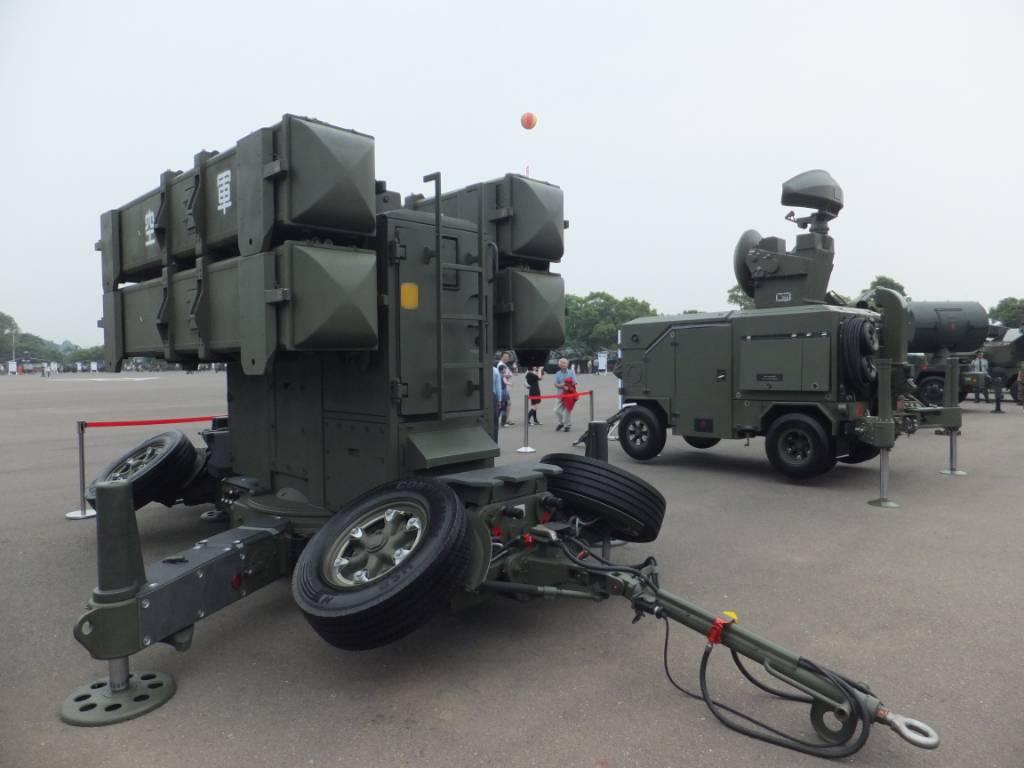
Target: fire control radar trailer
{"type": "Point", "coordinates": [357, 457]}
{"type": "Point", "coordinates": [821, 381]}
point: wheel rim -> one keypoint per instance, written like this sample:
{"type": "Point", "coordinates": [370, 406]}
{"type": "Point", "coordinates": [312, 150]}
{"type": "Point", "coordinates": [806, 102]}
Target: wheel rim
{"type": "Point", "coordinates": [796, 446]}
{"type": "Point", "coordinates": [134, 463]}
{"type": "Point", "coordinates": [375, 545]}
{"type": "Point", "coordinates": [637, 432]}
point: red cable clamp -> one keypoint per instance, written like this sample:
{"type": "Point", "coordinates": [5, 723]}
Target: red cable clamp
{"type": "Point", "coordinates": [724, 619]}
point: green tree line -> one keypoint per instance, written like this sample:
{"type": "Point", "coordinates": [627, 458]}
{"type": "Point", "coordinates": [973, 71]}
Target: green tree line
{"type": "Point", "coordinates": [28, 346]}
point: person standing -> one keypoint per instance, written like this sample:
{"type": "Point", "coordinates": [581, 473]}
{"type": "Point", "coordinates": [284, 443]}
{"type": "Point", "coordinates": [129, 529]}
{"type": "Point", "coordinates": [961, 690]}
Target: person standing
{"type": "Point", "coordinates": [506, 389]}
{"type": "Point", "coordinates": [533, 377]}
{"type": "Point", "coordinates": [980, 365]}
{"type": "Point", "coordinates": [497, 385]}
{"type": "Point", "coordinates": [563, 414]}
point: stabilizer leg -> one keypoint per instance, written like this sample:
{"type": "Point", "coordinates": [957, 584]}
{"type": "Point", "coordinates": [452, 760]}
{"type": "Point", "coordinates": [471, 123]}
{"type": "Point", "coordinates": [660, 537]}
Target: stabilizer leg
{"type": "Point", "coordinates": [121, 695]}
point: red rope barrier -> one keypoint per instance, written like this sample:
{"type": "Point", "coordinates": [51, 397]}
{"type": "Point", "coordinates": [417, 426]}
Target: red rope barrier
{"type": "Point", "coordinates": [552, 397]}
{"type": "Point", "coordinates": [148, 422]}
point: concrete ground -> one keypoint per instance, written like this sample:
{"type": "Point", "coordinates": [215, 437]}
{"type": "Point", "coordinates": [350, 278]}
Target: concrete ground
{"type": "Point", "coordinates": [920, 601]}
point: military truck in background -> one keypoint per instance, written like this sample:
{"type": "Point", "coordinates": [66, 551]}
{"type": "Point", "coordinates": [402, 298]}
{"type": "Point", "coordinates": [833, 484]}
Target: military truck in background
{"type": "Point", "coordinates": [800, 369]}
{"type": "Point", "coordinates": [943, 329]}
{"type": "Point", "coordinates": [1005, 354]}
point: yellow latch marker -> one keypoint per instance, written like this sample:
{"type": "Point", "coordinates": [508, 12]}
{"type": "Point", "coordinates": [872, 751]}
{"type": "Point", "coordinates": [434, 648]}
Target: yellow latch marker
{"type": "Point", "coordinates": [409, 296]}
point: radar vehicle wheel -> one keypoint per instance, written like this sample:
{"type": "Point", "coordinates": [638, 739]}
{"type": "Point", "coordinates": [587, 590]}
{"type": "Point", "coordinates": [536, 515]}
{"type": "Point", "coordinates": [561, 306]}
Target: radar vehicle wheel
{"type": "Point", "coordinates": [632, 509]}
{"type": "Point", "coordinates": [641, 433]}
{"type": "Point", "coordinates": [384, 564]}
{"type": "Point", "coordinates": [701, 442]}
{"type": "Point", "coordinates": [798, 446]}
{"type": "Point", "coordinates": [156, 468]}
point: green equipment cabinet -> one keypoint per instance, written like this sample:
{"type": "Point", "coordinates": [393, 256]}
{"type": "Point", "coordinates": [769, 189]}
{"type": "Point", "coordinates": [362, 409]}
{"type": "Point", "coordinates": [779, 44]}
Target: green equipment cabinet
{"type": "Point", "coordinates": [800, 368]}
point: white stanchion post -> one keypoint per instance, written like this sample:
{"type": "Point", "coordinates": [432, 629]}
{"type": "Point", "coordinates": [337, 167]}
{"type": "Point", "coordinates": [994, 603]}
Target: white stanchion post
{"type": "Point", "coordinates": [84, 511]}
{"type": "Point", "coordinates": [526, 427]}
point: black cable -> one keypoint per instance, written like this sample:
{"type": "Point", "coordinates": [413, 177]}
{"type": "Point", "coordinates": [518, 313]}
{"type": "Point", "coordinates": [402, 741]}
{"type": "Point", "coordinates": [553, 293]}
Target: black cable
{"type": "Point", "coordinates": [644, 578]}
{"type": "Point", "coordinates": [767, 733]}
{"type": "Point", "coordinates": [698, 697]}
{"type": "Point", "coordinates": [766, 688]}
{"type": "Point", "coordinates": [787, 741]}
{"type": "Point", "coordinates": [778, 738]}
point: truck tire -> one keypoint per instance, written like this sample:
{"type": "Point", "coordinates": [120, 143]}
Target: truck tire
{"type": "Point", "coordinates": [1015, 389]}
{"type": "Point", "coordinates": [157, 468]}
{"type": "Point", "coordinates": [798, 446]}
{"type": "Point", "coordinates": [632, 509]}
{"type": "Point", "coordinates": [701, 442]}
{"type": "Point", "coordinates": [641, 433]}
{"type": "Point", "coordinates": [371, 575]}
{"type": "Point", "coordinates": [931, 390]}
{"type": "Point", "coordinates": [859, 453]}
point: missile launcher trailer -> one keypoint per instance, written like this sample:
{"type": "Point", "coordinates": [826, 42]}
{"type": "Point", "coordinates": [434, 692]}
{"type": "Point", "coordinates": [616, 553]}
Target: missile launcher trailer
{"type": "Point", "coordinates": [358, 331]}
{"type": "Point", "coordinates": [357, 455]}
{"type": "Point", "coordinates": [821, 381]}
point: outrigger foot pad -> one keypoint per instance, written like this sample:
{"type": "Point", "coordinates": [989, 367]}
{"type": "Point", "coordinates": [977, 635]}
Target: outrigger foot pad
{"type": "Point", "coordinates": [97, 704]}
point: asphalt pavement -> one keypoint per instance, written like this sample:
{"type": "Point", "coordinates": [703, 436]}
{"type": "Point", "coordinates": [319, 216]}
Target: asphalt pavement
{"type": "Point", "coordinates": [921, 602]}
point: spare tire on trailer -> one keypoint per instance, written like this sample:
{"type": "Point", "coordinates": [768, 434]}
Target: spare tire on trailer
{"type": "Point", "coordinates": [384, 564]}
{"type": "Point", "coordinates": [157, 468]}
{"type": "Point", "coordinates": [632, 509]}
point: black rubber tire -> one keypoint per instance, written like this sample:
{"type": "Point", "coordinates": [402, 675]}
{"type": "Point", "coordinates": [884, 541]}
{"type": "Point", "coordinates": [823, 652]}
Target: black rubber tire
{"type": "Point", "coordinates": [859, 453]}
{"type": "Point", "coordinates": [632, 508]}
{"type": "Point", "coordinates": [158, 479]}
{"type": "Point", "coordinates": [1015, 389]}
{"type": "Point", "coordinates": [380, 612]}
{"type": "Point", "coordinates": [931, 390]}
{"type": "Point", "coordinates": [869, 341]}
{"type": "Point", "coordinates": [857, 369]}
{"type": "Point", "coordinates": [641, 433]}
{"type": "Point", "coordinates": [820, 451]}
{"type": "Point", "coordinates": [701, 442]}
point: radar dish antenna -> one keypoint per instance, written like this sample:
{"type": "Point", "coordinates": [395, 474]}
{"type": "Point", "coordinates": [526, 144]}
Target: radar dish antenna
{"type": "Point", "coordinates": [748, 240]}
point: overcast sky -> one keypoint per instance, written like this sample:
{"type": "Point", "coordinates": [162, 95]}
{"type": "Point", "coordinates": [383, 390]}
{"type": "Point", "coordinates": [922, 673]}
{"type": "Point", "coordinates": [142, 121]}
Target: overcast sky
{"type": "Point", "coordinates": [670, 126]}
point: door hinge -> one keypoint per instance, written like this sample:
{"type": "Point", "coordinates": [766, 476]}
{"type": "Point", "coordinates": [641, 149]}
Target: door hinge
{"type": "Point", "coordinates": [399, 389]}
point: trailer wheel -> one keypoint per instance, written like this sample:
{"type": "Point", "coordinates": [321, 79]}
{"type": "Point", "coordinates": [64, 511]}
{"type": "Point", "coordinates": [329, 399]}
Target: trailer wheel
{"type": "Point", "coordinates": [859, 453]}
{"type": "Point", "coordinates": [701, 442]}
{"type": "Point", "coordinates": [798, 446]}
{"type": "Point", "coordinates": [1015, 389]}
{"type": "Point", "coordinates": [156, 468]}
{"type": "Point", "coordinates": [641, 433]}
{"type": "Point", "coordinates": [383, 565]}
{"type": "Point", "coordinates": [632, 509]}
{"type": "Point", "coordinates": [932, 390]}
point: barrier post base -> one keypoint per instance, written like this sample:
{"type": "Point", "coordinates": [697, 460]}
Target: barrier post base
{"type": "Point", "coordinates": [526, 449]}
{"type": "Point", "coordinates": [80, 514]}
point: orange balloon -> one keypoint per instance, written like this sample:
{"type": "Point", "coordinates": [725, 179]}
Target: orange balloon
{"type": "Point", "coordinates": [528, 120]}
